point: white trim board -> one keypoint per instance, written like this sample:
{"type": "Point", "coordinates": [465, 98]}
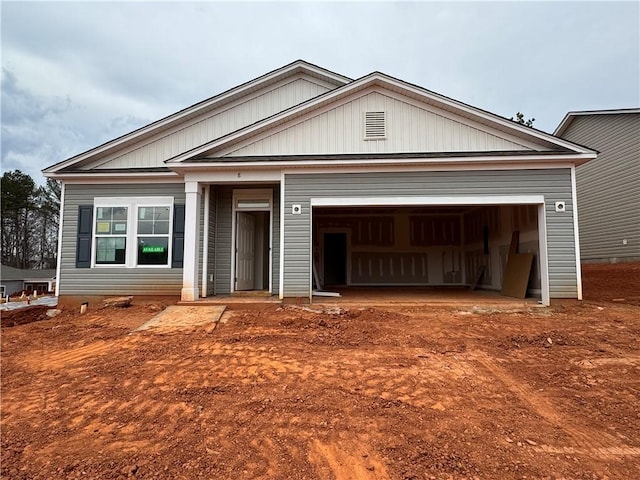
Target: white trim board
{"type": "Point", "coordinates": [384, 81]}
{"type": "Point", "coordinates": [576, 234]}
{"type": "Point", "coordinates": [205, 240]}
{"type": "Point", "coordinates": [254, 194]}
{"type": "Point", "coordinates": [435, 200]}
{"type": "Point", "coordinates": [176, 120]}
{"type": "Point", "coordinates": [60, 230]}
{"type": "Point", "coordinates": [440, 200]}
{"type": "Point", "coordinates": [282, 216]}
{"type": "Point", "coordinates": [488, 161]}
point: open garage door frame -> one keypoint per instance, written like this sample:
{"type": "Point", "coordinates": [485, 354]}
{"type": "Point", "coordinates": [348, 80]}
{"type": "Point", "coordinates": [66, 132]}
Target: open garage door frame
{"type": "Point", "coordinates": [431, 201]}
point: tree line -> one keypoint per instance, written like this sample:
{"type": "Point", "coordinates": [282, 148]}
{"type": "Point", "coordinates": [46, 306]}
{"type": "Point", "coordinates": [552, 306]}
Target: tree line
{"type": "Point", "coordinates": [30, 218]}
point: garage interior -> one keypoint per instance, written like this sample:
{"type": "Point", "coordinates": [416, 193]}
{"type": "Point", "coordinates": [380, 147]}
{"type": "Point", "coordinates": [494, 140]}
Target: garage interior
{"type": "Point", "coordinates": [358, 249]}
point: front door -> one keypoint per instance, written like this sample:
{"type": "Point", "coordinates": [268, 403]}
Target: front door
{"type": "Point", "coordinates": [245, 251]}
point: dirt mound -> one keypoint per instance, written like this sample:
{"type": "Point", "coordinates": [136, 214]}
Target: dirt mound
{"type": "Point", "coordinates": [35, 313]}
{"type": "Point", "coordinates": [619, 282]}
{"type": "Point", "coordinates": [309, 392]}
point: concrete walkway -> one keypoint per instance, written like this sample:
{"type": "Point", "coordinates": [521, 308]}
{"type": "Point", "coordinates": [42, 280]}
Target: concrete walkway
{"type": "Point", "coordinates": [48, 301]}
{"type": "Point", "coordinates": [179, 317]}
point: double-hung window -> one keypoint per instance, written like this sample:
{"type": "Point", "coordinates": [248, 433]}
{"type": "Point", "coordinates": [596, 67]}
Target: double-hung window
{"type": "Point", "coordinates": [111, 235]}
{"type": "Point", "coordinates": [133, 231]}
{"type": "Point", "coordinates": [153, 235]}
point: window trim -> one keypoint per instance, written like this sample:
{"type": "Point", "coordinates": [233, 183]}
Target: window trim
{"type": "Point", "coordinates": [132, 204]}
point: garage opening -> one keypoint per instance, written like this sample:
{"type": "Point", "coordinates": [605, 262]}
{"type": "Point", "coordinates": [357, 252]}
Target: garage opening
{"type": "Point", "coordinates": [454, 246]}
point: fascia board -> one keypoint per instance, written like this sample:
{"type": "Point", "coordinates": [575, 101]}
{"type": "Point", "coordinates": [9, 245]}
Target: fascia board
{"type": "Point", "coordinates": [570, 116]}
{"type": "Point", "coordinates": [166, 122]}
{"type": "Point", "coordinates": [488, 116]}
{"type": "Point", "coordinates": [547, 159]}
{"type": "Point", "coordinates": [210, 112]}
{"type": "Point", "coordinates": [124, 177]}
{"type": "Point", "coordinates": [270, 121]}
{"type": "Point", "coordinates": [385, 81]}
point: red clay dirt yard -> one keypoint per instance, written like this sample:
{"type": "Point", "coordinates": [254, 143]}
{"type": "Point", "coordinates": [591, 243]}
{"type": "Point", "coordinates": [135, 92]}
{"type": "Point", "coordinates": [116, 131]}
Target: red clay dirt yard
{"type": "Point", "coordinates": [349, 392]}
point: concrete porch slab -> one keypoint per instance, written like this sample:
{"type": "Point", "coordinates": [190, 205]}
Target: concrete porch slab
{"type": "Point", "coordinates": [181, 317]}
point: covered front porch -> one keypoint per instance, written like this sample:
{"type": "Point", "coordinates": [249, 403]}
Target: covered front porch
{"type": "Point", "coordinates": [231, 236]}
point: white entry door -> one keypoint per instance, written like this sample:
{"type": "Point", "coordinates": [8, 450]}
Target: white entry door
{"type": "Point", "coordinates": [245, 251]}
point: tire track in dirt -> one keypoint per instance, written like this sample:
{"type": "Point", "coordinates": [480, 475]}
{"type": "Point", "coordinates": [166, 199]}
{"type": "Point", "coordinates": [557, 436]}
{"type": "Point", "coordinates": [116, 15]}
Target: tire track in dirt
{"type": "Point", "coordinates": [349, 461]}
{"type": "Point", "coordinates": [60, 359]}
{"type": "Point", "coordinates": [588, 441]}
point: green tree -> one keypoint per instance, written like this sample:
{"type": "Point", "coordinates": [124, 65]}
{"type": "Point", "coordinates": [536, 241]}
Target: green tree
{"type": "Point", "coordinates": [520, 119]}
{"type": "Point", "coordinates": [29, 221]}
{"type": "Point", "coordinates": [18, 190]}
{"type": "Point", "coordinates": [47, 219]}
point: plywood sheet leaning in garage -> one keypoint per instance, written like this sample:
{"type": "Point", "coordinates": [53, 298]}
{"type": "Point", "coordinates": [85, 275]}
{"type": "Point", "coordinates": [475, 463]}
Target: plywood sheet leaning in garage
{"type": "Point", "coordinates": [181, 317]}
{"type": "Point", "coordinates": [516, 275]}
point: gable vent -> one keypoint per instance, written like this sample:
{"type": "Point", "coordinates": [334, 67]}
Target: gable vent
{"type": "Point", "coordinates": [374, 125]}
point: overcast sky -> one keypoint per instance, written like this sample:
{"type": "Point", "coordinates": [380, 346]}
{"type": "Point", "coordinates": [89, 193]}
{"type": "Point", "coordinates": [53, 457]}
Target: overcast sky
{"type": "Point", "coordinates": [75, 75]}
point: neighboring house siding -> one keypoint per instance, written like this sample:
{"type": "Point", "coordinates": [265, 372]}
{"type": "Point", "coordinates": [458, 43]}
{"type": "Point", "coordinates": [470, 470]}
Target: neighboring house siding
{"type": "Point", "coordinates": [257, 107]}
{"type": "Point", "coordinates": [223, 247]}
{"type": "Point", "coordinates": [608, 187]}
{"type": "Point", "coordinates": [112, 280]}
{"type": "Point", "coordinates": [408, 129]}
{"type": "Point", "coordinates": [12, 286]}
{"type": "Point", "coordinates": [554, 184]}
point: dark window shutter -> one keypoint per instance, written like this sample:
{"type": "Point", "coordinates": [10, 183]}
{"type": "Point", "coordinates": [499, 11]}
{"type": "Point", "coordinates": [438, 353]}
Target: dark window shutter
{"type": "Point", "coordinates": [178, 236]}
{"type": "Point", "coordinates": [85, 229]}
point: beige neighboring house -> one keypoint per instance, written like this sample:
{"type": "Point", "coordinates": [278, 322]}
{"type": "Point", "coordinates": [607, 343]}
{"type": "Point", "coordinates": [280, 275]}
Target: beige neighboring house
{"type": "Point", "coordinates": [304, 174]}
{"type": "Point", "coordinates": [609, 187]}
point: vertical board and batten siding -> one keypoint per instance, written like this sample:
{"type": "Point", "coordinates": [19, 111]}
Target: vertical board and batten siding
{"type": "Point", "coordinates": [265, 104]}
{"type": "Point", "coordinates": [112, 280]}
{"type": "Point", "coordinates": [224, 243]}
{"type": "Point", "coordinates": [554, 184]}
{"type": "Point", "coordinates": [608, 187]}
{"type": "Point", "coordinates": [408, 129]}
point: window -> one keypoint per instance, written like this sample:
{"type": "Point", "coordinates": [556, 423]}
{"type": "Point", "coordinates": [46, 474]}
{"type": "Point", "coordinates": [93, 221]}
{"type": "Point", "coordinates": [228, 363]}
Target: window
{"type": "Point", "coordinates": [153, 244]}
{"type": "Point", "coordinates": [133, 231]}
{"type": "Point", "coordinates": [111, 235]}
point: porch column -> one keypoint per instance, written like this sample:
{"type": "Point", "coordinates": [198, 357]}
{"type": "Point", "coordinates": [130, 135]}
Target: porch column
{"type": "Point", "coordinates": [193, 199]}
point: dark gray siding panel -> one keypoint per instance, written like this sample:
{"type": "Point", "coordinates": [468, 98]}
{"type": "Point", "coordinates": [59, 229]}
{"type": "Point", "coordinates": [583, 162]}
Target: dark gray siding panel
{"type": "Point", "coordinates": [212, 243]}
{"type": "Point", "coordinates": [554, 184]}
{"type": "Point", "coordinates": [609, 186]}
{"type": "Point", "coordinates": [276, 242]}
{"type": "Point", "coordinates": [112, 281]}
{"type": "Point", "coordinates": [223, 241]}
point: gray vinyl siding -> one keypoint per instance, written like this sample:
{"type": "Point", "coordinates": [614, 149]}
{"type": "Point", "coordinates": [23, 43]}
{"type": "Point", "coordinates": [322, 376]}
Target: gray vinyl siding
{"type": "Point", "coordinates": [12, 286]}
{"type": "Point", "coordinates": [212, 235]}
{"type": "Point", "coordinates": [201, 244]}
{"type": "Point", "coordinates": [275, 243]}
{"type": "Point", "coordinates": [608, 187]}
{"type": "Point", "coordinates": [223, 241]}
{"type": "Point", "coordinates": [554, 184]}
{"type": "Point", "coordinates": [112, 280]}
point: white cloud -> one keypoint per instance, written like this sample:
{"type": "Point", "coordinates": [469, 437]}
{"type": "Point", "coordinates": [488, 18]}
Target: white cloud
{"type": "Point", "coordinates": [84, 73]}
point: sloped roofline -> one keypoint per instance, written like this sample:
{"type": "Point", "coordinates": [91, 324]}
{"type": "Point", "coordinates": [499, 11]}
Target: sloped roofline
{"type": "Point", "coordinates": [384, 80]}
{"type": "Point", "coordinates": [203, 106]}
{"type": "Point", "coordinates": [570, 116]}
{"type": "Point", "coordinates": [8, 273]}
